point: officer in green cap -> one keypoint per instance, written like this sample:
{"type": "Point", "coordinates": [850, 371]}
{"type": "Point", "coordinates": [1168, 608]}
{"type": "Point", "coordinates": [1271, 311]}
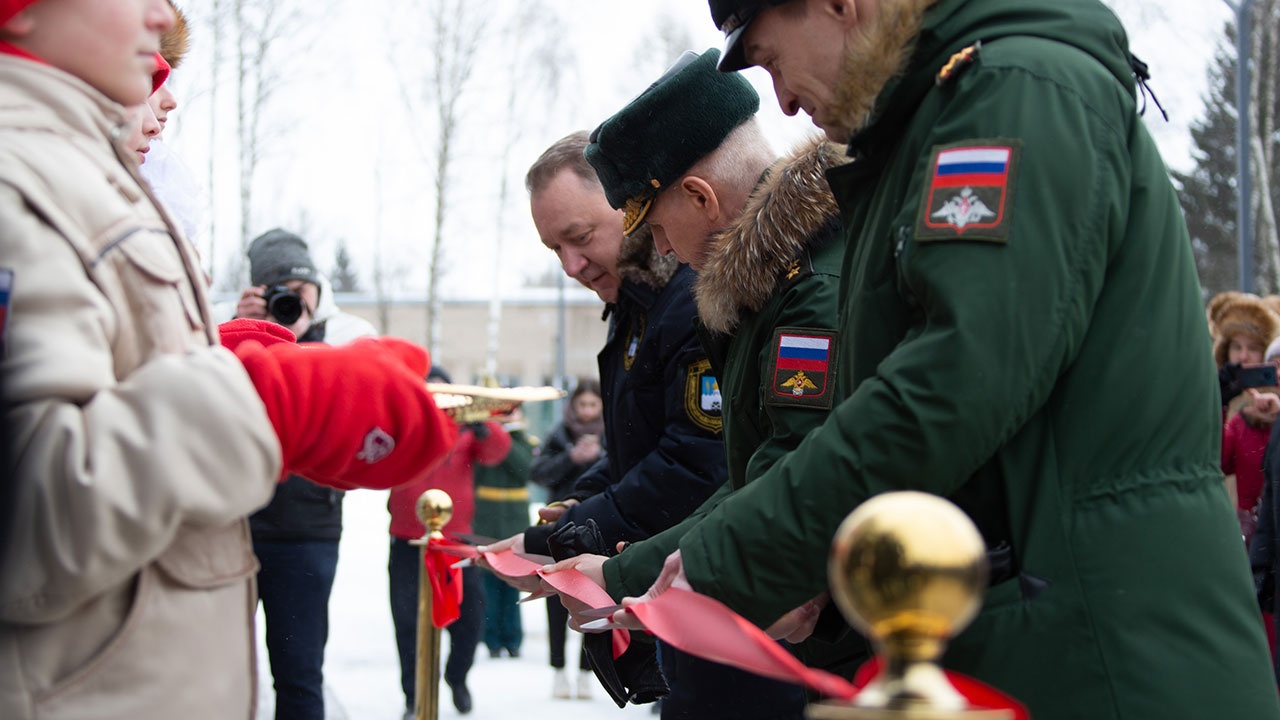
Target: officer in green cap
{"type": "Point", "coordinates": [688, 160]}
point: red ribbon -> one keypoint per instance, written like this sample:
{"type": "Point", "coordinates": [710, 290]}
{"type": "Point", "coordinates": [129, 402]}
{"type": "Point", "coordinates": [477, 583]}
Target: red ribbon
{"type": "Point", "coordinates": [446, 582]}
{"type": "Point", "coordinates": [569, 582]}
{"type": "Point", "coordinates": [703, 626]}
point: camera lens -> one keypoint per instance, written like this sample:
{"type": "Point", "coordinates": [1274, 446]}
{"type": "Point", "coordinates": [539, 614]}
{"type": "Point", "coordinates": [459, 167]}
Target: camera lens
{"type": "Point", "coordinates": [284, 306]}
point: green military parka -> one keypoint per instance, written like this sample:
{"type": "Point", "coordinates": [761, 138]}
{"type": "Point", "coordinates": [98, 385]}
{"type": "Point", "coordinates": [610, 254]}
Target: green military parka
{"type": "Point", "coordinates": [1022, 332]}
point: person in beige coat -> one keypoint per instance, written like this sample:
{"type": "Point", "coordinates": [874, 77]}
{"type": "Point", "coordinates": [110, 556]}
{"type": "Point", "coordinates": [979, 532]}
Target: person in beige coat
{"type": "Point", "coordinates": [139, 444]}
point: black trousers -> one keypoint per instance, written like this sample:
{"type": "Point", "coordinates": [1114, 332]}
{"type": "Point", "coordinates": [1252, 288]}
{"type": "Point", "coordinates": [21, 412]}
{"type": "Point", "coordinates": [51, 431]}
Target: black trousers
{"type": "Point", "coordinates": [293, 584]}
{"type": "Point", "coordinates": [557, 627]}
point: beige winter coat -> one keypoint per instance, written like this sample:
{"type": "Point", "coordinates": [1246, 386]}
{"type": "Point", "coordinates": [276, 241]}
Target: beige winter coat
{"type": "Point", "coordinates": [126, 589]}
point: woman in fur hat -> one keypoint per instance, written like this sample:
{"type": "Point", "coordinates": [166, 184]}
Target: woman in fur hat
{"type": "Point", "coordinates": [1242, 326]}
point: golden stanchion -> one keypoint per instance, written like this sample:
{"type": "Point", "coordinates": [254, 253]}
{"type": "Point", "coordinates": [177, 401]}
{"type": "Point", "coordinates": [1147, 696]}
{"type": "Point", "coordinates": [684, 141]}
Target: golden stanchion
{"type": "Point", "coordinates": [434, 509]}
{"type": "Point", "coordinates": [908, 569]}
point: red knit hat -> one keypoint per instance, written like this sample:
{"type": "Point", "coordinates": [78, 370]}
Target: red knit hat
{"type": "Point", "coordinates": [9, 8]}
{"type": "Point", "coordinates": [160, 74]}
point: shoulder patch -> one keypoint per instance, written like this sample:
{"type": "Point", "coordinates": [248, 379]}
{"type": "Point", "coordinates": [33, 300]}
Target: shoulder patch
{"type": "Point", "coordinates": [803, 366]}
{"type": "Point", "coordinates": [969, 194]}
{"type": "Point", "coordinates": [6, 286]}
{"type": "Point", "coordinates": [702, 397]}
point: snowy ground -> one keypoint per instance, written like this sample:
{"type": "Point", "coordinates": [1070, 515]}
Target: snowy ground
{"type": "Point", "coordinates": [362, 673]}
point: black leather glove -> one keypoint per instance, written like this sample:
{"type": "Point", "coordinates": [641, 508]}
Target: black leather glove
{"type": "Point", "coordinates": [479, 429]}
{"type": "Point", "coordinates": [634, 677]}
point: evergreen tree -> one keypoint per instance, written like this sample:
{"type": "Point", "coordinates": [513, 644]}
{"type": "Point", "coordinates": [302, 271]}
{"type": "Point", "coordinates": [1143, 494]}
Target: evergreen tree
{"type": "Point", "coordinates": [1208, 192]}
{"type": "Point", "coordinates": [344, 277]}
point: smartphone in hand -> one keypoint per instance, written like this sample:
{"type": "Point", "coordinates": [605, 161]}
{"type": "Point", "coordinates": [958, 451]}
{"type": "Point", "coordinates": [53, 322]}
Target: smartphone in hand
{"type": "Point", "coordinates": [1252, 376]}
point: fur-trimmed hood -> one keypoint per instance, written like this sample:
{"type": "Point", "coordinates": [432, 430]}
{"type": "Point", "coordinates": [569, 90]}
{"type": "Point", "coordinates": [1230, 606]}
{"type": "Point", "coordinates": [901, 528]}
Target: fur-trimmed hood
{"type": "Point", "coordinates": [639, 261]}
{"type": "Point", "coordinates": [891, 64]}
{"type": "Point", "coordinates": [782, 216]}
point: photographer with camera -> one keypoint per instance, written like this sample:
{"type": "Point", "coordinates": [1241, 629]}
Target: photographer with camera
{"type": "Point", "coordinates": [296, 536]}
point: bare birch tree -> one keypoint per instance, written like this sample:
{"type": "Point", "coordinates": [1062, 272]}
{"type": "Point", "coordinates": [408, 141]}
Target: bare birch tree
{"type": "Point", "coordinates": [534, 59]}
{"type": "Point", "coordinates": [216, 23]}
{"type": "Point", "coordinates": [1265, 82]}
{"type": "Point", "coordinates": [260, 28]}
{"type": "Point", "coordinates": [451, 32]}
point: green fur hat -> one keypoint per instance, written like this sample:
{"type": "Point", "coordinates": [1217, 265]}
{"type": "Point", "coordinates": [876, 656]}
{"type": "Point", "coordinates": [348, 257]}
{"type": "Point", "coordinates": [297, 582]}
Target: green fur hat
{"type": "Point", "coordinates": [673, 124]}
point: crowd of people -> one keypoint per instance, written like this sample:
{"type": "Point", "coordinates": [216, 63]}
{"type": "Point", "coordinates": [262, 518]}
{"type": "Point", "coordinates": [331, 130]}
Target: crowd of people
{"type": "Point", "coordinates": [1246, 346]}
{"type": "Point", "coordinates": [933, 297]}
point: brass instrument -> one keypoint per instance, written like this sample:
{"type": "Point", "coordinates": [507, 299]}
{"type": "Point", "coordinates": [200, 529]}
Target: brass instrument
{"type": "Point", "coordinates": [908, 569]}
{"type": "Point", "coordinates": [473, 403]}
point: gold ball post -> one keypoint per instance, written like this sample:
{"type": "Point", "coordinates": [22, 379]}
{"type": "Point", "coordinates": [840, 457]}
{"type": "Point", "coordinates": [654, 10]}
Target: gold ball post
{"type": "Point", "coordinates": [908, 569]}
{"type": "Point", "coordinates": [434, 508]}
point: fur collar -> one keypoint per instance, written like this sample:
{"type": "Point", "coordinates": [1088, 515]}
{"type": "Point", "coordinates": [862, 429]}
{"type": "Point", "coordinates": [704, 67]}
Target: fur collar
{"type": "Point", "coordinates": [875, 55]}
{"type": "Point", "coordinates": [790, 205]}
{"type": "Point", "coordinates": [639, 261]}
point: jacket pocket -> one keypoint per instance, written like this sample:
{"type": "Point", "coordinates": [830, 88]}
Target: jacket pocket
{"type": "Point", "coordinates": [209, 557]}
{"type": "Point", "coordinates": [144, 272]}
{"type": "Point", "coordinates": [170, 636]}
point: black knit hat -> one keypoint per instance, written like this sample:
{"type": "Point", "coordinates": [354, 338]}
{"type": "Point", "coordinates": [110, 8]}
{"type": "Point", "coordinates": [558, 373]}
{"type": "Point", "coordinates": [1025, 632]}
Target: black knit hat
{"type": "Point", "coordinates": [277, 256]}
{"type": "Point", "coordinates": [676, 122]}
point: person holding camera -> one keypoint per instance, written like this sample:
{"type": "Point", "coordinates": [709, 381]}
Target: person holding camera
{"type": "Point", "coordinates": [296, 536]}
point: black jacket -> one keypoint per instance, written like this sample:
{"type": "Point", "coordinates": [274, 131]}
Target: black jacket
{"type": "Point", "coordinates": [553, 468]}
{"type": "Point", "coordinates": [300, 510]}
{"type": "Point", "coordinates": [663, 451]}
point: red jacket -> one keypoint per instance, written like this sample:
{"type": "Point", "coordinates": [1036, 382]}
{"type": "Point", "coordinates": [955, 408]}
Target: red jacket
{"type": "Point", "coordinates": [1243, 446]}
{"type": "Point", "coordinates": [455, 476]}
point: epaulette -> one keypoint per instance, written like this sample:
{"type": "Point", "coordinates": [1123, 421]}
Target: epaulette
{"type": "Point", "coordinates": [957, 64]}
{"type": "Point", "coordinates": [798, 269]}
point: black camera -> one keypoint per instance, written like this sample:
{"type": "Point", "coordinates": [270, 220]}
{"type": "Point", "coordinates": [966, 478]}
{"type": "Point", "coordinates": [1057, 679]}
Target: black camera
{"type": "Point", "coordinates": [284, 304]}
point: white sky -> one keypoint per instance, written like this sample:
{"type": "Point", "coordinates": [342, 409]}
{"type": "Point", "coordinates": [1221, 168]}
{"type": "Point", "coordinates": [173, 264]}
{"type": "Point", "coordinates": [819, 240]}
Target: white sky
{"type": "Point", "coordinates": [344, 160]}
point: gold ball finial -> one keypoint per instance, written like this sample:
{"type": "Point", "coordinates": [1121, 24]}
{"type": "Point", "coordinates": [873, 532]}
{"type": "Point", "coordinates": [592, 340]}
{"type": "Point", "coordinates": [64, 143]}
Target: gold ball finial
{"type": "Point", "coordinates": [435, 509]}
{"type": "Point", "coordinates": [909, 570]}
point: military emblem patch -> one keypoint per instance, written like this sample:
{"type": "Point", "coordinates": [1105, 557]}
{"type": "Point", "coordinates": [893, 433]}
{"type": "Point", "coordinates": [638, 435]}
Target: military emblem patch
{"type": "Point", "coordinates": [970, 192]}
{"type": "Point", "coordinates": [634, 337]}
{"type": "Point", "coordinates": [803, 364]}
{"type": "Point", "coordinates": [702, 399]}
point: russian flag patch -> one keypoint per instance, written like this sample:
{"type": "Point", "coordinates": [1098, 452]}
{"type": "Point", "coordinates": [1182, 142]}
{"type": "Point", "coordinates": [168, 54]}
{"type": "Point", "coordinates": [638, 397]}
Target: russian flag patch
{"type": "Point", "coordinates": [970, 192]}
{"type": "Point", "coordinates": [803, 363]}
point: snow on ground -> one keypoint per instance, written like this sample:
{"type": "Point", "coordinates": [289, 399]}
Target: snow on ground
{"type": "Point", "coordinates": [362, 673]}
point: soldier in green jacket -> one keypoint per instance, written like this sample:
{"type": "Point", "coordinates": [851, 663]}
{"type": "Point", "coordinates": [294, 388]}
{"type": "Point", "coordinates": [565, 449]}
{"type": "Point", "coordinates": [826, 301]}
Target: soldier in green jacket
{"type": "Point", "coordinates": [763, 235]}
{"type": "Point", "coordinates": [1021, 332]}
{"type": "Point", "coordinates": [502, 509]}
